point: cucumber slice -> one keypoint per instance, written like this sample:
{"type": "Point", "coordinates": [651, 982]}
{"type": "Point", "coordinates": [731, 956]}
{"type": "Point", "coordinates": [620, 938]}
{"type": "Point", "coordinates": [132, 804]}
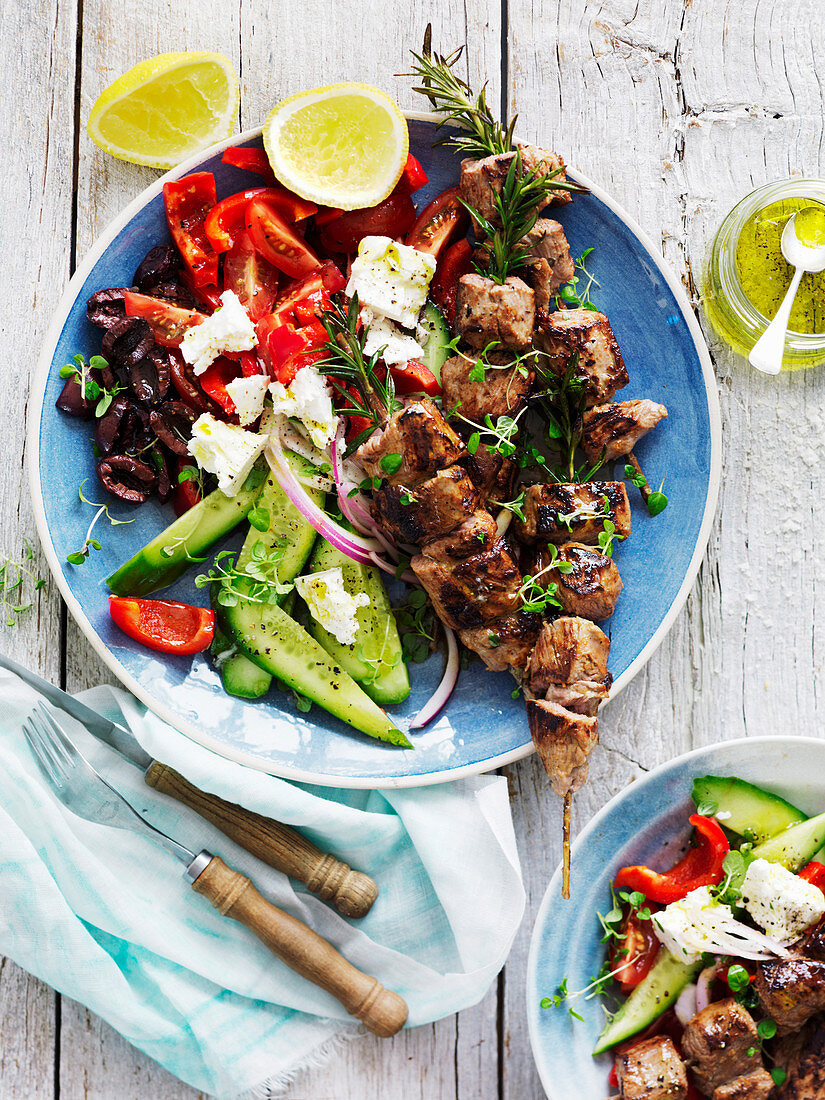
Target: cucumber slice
{"type": "Point", "coordinates": [374, 659]}
{"type": "Point", "coordinates": [796, 846]}
{"type": "Point", "coordinates": [243, 678]}
{"type": "Point", "coordinates": [168, 556]}
{"type": "Point", "coordinates": [436, 350]}
{"type": "Point", "coordinates": [654, 993]}
{"type": "Point", "coordinates": [743, 807]}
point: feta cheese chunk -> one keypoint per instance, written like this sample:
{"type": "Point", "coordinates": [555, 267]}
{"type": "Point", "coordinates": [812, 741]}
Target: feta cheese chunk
{"type": "Point", "coordinates": [228, 329]}
{"type": "Point", "coordinates": [391, 278]}
{"type": "Point", "coordinates": [225, 450]}
{"type": "Point", "coordinates": [679, 926]}
{"type": "Point", "coordinates": [248, 396]}
{"type": "Point", "coordinates": [780, 902]}
{"type": "Point", "coordinates": [308, 398]}
{"type": "Point", "coordinates": [330, 603]}
{"type": "Point", "coordinates": [384, 335]}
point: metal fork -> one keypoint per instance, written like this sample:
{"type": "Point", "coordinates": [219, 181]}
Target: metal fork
{"type": "Point", "coordinates": [86, 793]}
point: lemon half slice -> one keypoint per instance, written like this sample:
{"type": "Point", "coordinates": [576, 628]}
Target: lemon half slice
{"type": "Point", "coordinates": [167, 108]}
{"type": "Point", "coordinates": [344, 145]}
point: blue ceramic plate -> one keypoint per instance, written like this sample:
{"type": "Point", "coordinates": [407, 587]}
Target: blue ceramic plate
{"type": "Point", "coordinates": [482, 727]}
{"type": "Point", "coordinates": [635, 827]}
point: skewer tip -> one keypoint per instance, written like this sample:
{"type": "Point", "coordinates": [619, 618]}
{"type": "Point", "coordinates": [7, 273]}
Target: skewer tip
{"type": "Point", "coordinates": [565, 865]}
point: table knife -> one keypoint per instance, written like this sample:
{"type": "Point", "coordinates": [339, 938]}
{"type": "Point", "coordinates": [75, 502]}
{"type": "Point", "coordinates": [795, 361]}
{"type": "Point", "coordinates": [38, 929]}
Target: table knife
{"type": "Point", "coordinates": [282, 847]}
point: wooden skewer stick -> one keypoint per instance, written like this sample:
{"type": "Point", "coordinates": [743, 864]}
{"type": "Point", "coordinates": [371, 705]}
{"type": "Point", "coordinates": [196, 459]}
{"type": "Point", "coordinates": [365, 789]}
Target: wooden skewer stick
{"type": "Point", "coordinates": [645, 489]}
{"type": "Point", "coordinates": [565, 856]}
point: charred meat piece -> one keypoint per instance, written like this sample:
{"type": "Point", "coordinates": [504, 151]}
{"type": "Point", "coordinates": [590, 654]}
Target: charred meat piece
{"type": "Point", "coordinates": [429, 509]}
{"type": "Point", "coordinates": [716, 1042]}
{"type": "Point", "coordinates": [552, 264]}
{"type": "Point", "coordinates": [481, 180]}
{"type": "Point", "coordinates": [791, 991]}
{"type": "Point", "coordinates": [473, 592]}
{"type": "Point", "coordinates": [756, 1085]}
{"type": "Point", "coordinates": [652, 1070]}
{"type": "Point", "coordinates": [571, 511]}
{"type": "Point", "coordinates": [591, 587]}
{"type": "Point", "coordinates": [506, 643]}
{"type": "Point", "coordinates": [502, 390]}
{"type": "Point", "coordinates": [617, 428]}
{"type": "Point", "coordinates": [420, 435]}
{"type": "Point", "coordinates": [564, 742]}
{"type": "Point", "coordinates": [588, 334]}
{"type": "Point", "coordinates": [500, 313]}
{"type": "Point", "coordinates": [478, 532]}
{"type": "Point", "coordinates": [802, 1056]}
{"type": "Point", "coordinates": [568, 665]}
{"type": "Point", "coordinates": [492, 473]}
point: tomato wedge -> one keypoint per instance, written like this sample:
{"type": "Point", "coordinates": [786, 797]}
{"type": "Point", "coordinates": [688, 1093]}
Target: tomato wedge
{"type": "Point", "coordinates": [391, 218]}
{"type": "Point", "coordinates": [277, 242]}
{"type": "Point", "coordinates": [252, 278]}
{"type": "Point", "coordinates": [188, 202]}
{"type": "Point", "coordinates": [187, 493]}
{"type": "Point", "coordinates": [287, 349]}
{"type": "Point", "coordinates": [632, 955]}
{"type": "Point", "coordinates": [213, 382]}
{"type": "Point", "coordinates": [250, 160]}
{"type": "Point", "coordinates": [439, 223]}
{"type": "Point", "coordinates": [168, 322]}
{"type": "Point", "coordinates": [452, 264]}
{"type": "Point", "coordinates": [225, 220]}
{"type": "Point", "coordinates": [412, 178]}
{"type": "Point", "coordinates": [165, 625]}
{"type": "Point", "coordinates": [328, 280]}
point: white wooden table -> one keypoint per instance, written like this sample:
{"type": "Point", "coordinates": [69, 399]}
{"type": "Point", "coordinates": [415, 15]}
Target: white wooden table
{"type": "Point", "coordinates": [677, 107]}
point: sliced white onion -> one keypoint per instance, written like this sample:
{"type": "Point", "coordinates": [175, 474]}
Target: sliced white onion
{"type": "Point", "coordinates": [703, 985]}
{"type": "Point", "coordinates": [445, 689]}
{"type": "Point", "coordinates": [503, 520]}
{"type": "Point", "coordinates": [686, 1005]}
{"type": "Point", "coordinates": [296, 439]}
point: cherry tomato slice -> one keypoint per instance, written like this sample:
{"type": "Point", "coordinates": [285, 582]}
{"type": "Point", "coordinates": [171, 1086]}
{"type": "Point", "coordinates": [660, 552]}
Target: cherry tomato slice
{"type": "Point", "coordinates": [213, 382]}
{"type": "Point", "coordinates": [277, 242]}
{"type": "Point", "coordinates": [414, 377]}
{"type": "Point", "coordinates": [633, 955]}
{"type": "Point", "coordinates": [250, 160]}
{"type": "Point", "coordinates": [452, 264]}
{"type": "Point", "coordinates": [252, 278]}
{"type": "Point", "coordinates": [439, 223]}
{"type": "Point", "coordinates": [328, 279]}
{"type": "Point", "coordinates": [393, 217]}
{"type": "Point", "coordinates": [168, 322]}
{"type": "Point", "coordinates": [226, 220]}
{"type": "Point", "coordinates": [165, 625]}
{"type": "Point", "coordinates": [188, 202]}
{"type": "Point", "coordinates": [187, 492]}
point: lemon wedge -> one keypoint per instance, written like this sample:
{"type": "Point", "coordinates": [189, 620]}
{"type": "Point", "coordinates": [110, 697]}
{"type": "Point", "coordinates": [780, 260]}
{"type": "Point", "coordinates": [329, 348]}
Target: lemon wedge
{"type": "Point", "coordinates": [343, 145]}
{"type": "Point", "coordinates": [167, 108]}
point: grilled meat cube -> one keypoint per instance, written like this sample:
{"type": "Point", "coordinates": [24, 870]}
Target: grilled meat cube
{"type": "Point", "coordinates": [488, 312]}
{"type": "Point", "coordinates": [492, 473]}
{"type": "Point", "coordinates": [478, 532]}
{"type": "Point", "coordinates": [502, 392]}
{"type": "Point", "coordinates": [652, 1070]}
{"type": "Point", "coordinates": [791, 991]}
{"type": "Point", "coordinates": [564, 742]}
{"type": "Point", "coordinates": [588, 333]}
{"type": "Point", "coordinates": [481, 180]}
{"type": "Point", "coordinates": [592, 586]}
{"type": "Point", "coordinates": [552, 264]}
{"type": "Point", "coordinates": [420, 435]}
{"type": "Point", "coordinates": [568, 665]}
{"type": "Point", "coordinates": [617, 428]}
{"type": "Point", "coordinates": [756, 1085]}
{"type": "Point", "coordinates": [469, 593]}
{"type": "Point", "coordinates": [573, 511]}
{"type": "Point", "coordinates": [506, 643]}
{"type": "Point", "coordinates": [802, 1056]}
{"type": "Point", "coordinates": [429, 509]}
{"type": "Point", "coordinates": [716, 1042]}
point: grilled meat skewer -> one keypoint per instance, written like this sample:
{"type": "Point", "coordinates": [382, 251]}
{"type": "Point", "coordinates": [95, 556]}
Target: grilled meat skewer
{"type": "Point", "coordinates": [588, 334]}
{"type": "Point", "coordinates": [615, 429]}
{"type": "Point", "coordinates": [590, 588]}
{"type": "Point", "coordinates": [573, 511]}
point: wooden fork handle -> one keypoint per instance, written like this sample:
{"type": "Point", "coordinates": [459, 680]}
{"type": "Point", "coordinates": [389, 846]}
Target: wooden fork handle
{"type": "Point", "coordinates": [282, 847]}
{"type": "Point", "coordinates": [308, 954]}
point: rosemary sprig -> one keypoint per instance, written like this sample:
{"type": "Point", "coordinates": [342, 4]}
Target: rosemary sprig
{"type": "Point", "coordinates": [452, 97]}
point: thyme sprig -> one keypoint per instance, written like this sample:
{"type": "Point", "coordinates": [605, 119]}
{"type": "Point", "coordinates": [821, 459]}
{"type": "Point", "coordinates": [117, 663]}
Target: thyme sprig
{"type": "Point", "coordinates": [14, 576]}
{"type": "Point", "coordinates": [257, 581]}
{"type": "Point", "coordinates": [77, 557]}
{"type": "Point", "coordinates": [416, 624]}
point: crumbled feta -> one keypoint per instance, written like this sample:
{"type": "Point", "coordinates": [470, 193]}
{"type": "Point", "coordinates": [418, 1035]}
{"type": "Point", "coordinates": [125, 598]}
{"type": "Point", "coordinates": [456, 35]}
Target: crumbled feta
{"type": "Point", "coordinates": [384, 335]}
{"type": "Point", "coordinates": [248, 396]}
{"type": "Point", "coordinates": [391, 278]}
{"type": "Point", "coordinates": [679, 926]}
{"type": "Point", "coordinates": [330, 603]}
{"type": "Point", "coordinates": [225, 450]}
{"type": "Point", "coordinates": [228, 329]}
{"type": "Point", "coordinates": [308, 398]}
{"type": "Point", "coordinates": [780, 902]}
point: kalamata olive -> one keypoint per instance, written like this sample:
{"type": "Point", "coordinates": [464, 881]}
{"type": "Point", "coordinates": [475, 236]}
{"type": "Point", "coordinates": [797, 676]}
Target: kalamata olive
{"type": "Point", "coordinates": [172, 424]}
{"type": "Point", "coordinates": [113, 425]}
{"type": "Point", "coordinates": [176, 293]}
{"type": "Point", "coordinates": [127, 477]}
{"type": "Point", "coordinates": [149, 379]}
{"type": "Point", "coordinates": [73, 402]}
{"type": "Point", "coordinates": [186, 383]}
{"type": "Point", "coordinates": [126, 342]}
{"type": "Point", "coordinates": [159, 265]}
{"type": "Point", "coordinates": [164, 488]}
{"type": "Point", "coordinates": [106, 307]}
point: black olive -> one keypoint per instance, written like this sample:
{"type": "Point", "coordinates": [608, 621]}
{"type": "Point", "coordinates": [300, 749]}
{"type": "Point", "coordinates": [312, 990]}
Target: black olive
{"type": "Point", "coordinates": [112, 425]}
{"type": "Point", "coordinates": [172, 424]}
{"type": "Point", "coordinates": [127, 342]}
{"type": "Point", "coordinates": [127, 477]}
{"type": "Point", "coordinates": [159, 265]}
{"type": "Point", "coordinates": [106, 307]}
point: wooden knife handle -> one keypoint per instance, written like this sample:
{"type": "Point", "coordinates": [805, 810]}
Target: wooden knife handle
{"type": "Point", "coordinates": [308, 954]}
{"type": "Point", "coordinates": [282, 847]}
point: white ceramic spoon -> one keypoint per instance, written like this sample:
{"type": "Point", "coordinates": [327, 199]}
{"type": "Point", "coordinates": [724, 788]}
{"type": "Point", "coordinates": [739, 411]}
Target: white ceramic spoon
{"type": "Point", "coordinates": [768, 351]}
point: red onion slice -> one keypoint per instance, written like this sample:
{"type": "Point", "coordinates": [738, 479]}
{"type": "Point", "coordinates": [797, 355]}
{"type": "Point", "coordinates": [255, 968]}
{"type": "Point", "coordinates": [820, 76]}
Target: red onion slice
{"type": "Point", "coordinates": [445, 689]}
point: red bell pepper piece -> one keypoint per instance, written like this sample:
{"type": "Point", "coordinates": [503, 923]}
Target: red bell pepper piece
{"type": "Point", "coordinates": [226, 220]}
{"type": "Point", "coordinates": [168, 322]}
{"type": "Point", "coordinates": [250, 364]}
{"type": "Point", "coordinates": [814, 872]}
{"type": "Point", "coordinates": [213, 382]}
{"type": "Point", "coordinates": [455, 262]}
{"type": "Point", "coordinates": [328, 278]}
{"type": "Point", "coordinates": [702, 866]}
{"type": "Point", "coordinates": [613, 1077]}
{"type": "Point", "coordinates": [165, 625]}
{"type": "Point", "coordinates": [412, 178]}
{"type": "Point", "coordinates": [327, 214]}
{"type": "Point", "coordinates": [414, 377]}
{"type": "Point", "coordinates": [250, 159]}
{"type": "Point", "coordinates": [288, 349]}
{"type": "Point", "coordinates": [188, 202]}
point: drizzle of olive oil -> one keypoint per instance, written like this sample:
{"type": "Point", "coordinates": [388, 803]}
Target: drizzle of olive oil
{"type": "Point", "coordinates": [766, 275]}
